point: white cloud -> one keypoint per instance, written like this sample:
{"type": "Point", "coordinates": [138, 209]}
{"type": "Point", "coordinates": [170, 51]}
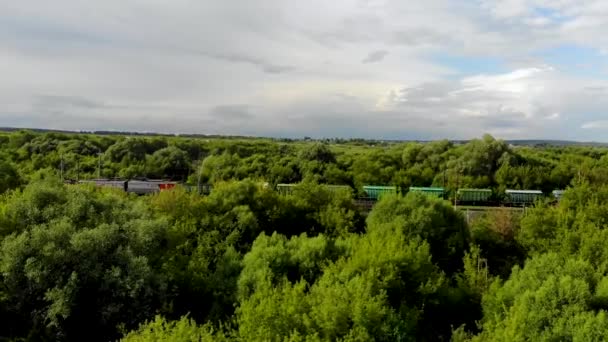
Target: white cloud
{"type": "Point", "coordinates": [286, 66]}
{"type": "Point", "coordinates": [600, 124]}
{"type": "Point", "coordinates": [538, 21]}
{"type": "Point", "coordinates": [532, 102]}
{"type": "Point", "coordinates": [507, 8]}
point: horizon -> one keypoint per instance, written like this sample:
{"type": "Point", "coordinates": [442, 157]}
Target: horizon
{"type": "Point", "coordinates": [217, 135]}
{"type": "Point", "coordinates": [371, 69]}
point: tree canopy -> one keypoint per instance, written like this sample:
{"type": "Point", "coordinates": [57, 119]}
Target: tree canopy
{"type": "Point", "coordinates": [246, 262]}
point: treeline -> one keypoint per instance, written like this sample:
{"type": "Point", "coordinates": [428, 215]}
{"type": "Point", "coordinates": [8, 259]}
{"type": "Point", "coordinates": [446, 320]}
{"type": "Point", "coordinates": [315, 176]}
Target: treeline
{"type": "Point", "coordinates": [481, 163]}
{"type": "Point", "coordinates": [247, 264]}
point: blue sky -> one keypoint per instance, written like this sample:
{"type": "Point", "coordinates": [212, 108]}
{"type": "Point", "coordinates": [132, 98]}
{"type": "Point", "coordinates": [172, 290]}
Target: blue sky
{"type": "Point", "coordinates": [551, 13]}
{"type": "Point", "coordinates": [469, 65]}
{"type": "Point", "coordinates": [577, 60]}
{"type": "Point", "coordinates": [349, 68]}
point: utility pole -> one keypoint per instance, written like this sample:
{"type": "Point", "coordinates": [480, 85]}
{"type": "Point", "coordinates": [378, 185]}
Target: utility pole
{"type": "Point", "coordinates": [200, 175]}
{"type": "Point", "coordinates": [457, 185]}
{"type": "Point", "coordinates": [99, 166]}
{"type": "Point", "coordinates": [61, 169]}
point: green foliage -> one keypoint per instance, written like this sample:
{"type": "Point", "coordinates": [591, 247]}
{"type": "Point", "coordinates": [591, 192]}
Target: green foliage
{"type": "Point", "coordinates": [550, 299]}
{"type": "Point", "coordinates": [77, 262]}
{"type": "Point", "coordinates": [183, 330]}
{"type": "Point", "coordinates": [133, 149]}
{"type": "Point", "coordinates": [372, 287]}
{"type": "Point", "coordinates": [315, 209]}
{"type": "Point", "coordinates": [9, 177]}
{"type": "Point", "coordinates": [245, 263]}
{"type": "Point", "coordinates": [560, 292]}
{"type": "Point", "coordinates": [220, 168]}
{"type": "Point", "coordinates": [276, 258]}
{"type": "Point", "coordinates": [318, 152]}
{"type": "Point", "coordinates": [434, 220]}
{"type": "Point", "coordinates": [495, 233]}
{"type": "Point", "coordinates": [485, 156]}
{"type": "Point", "coordinates": [485, 162]}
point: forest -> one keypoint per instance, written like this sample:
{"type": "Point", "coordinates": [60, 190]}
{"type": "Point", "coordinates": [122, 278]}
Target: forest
{"type": "Point", "coordinates": [246, 263]}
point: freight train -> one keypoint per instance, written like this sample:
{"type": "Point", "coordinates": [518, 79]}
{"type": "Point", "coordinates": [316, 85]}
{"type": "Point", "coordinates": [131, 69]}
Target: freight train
{"type": "Point", "coordinates": [469, 197]}
{"type": "Point", "coordinates": [369, 195]}
{"type": "Point", "coordinates": [472, 197]}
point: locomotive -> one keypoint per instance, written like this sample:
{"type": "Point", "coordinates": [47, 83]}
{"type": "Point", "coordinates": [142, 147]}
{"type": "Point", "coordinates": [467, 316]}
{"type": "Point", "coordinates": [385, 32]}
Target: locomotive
{"type": "Point", "coordinates": [137, 186]}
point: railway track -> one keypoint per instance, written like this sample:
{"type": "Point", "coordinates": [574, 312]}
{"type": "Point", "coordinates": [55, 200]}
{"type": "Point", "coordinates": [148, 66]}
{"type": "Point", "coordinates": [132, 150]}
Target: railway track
{"type": "Point", "coordinates": [470, 211]}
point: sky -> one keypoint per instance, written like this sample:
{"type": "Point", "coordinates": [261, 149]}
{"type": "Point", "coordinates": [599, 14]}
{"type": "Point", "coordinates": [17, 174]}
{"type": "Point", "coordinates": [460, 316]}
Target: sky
{"type": "Point", "coordinates": [383, 69]}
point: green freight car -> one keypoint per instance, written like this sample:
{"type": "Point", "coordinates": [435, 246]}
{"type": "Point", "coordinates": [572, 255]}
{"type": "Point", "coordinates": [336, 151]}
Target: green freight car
{"type": "Point", "coordinates": [523, 197]}
{"type": "Point", "coordinates": [435, 192]}
{"type": "Point", "coordinates": [203, 189]}
{"type": "Point", "coordinates": [287, 189]}
{"type": "Point", "coordinates": [334, 188]}
{"type": "Point", "coordinates": [557, 194]}
{"type": "Point", "coordinates": [376, 191]}
{"type": "Point", "coordinates": [473, 196]}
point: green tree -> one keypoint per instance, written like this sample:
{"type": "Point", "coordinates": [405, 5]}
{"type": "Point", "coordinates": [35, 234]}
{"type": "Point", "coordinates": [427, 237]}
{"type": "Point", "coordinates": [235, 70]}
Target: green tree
{"type": "Point", "coordinates": [183, 330]}
{"type": "Point", "coordinates": [80, 263]}
{"type": "Point", "coordinates": [434, 220]}
{"type": "Point", "coordinates": [550, 299]}
{"type": "Point", "coordinates": [378, 289]}
{"type": "Point", "coordinates": [9, 177]}
{"type": "Point", "coordinates": [168, 162]}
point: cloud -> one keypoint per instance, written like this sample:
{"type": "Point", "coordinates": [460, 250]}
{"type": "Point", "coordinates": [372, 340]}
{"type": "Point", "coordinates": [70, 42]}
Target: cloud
{"type": "Point", "coordinates": [288, 67]}
{"type": "Point", "coordinates": [62, 101]}
{"type": "Point", "coordinates": [600, 124]}
{"type": "Point", "coordinates": [375, 56]}
{"type": "Point", "coordinates": [262, 64]}
{"type": "Point", "coordinates": [232, 112]}
{"type": "Point", "coordinates": [526, 102]}
{"type": "Point", "coordinates": [421, 36]}
{"type": "Point", "coordinates": [480, 96]}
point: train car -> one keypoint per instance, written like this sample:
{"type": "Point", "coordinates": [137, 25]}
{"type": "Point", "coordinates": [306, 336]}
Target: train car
{"type": "Point", "coordinates": [557, 194]}
{"type": "Point", "coordinates": [111, 183]}
{"type": "Point", "coordinates": [137, 186]}
{"type": "Point", "coordinates": [473, 196]}
{"type": "Point", "coordinates": [522, 197]}
{"type": "Point", "coordinates": [285, 189]}
{"type": "Point", "coordinates": [148, 186]}
{"type": "Point", "coordinates": [166, 186]}
{"type": "Point", "coordinates": [374, 192]}
{"type": "Point", "coordinates": [435, 192]}
{"type": "Point", "coordinates": [203, 189]}
{"type": "Point", "coordinates": [335, 188]}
